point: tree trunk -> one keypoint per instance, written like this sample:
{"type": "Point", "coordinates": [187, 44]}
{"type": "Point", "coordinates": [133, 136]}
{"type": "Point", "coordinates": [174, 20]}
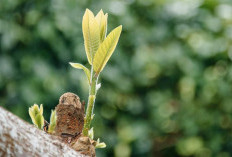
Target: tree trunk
{"type": "Point", "coordinates": [18, 138]}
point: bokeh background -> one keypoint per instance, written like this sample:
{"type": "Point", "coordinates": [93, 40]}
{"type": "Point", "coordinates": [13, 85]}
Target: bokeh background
{"type": "Point", "coordinates": [167, 90]}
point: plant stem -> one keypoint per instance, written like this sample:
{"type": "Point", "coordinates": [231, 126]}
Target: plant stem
{"type": "Point", "coordinates": [90, 106]}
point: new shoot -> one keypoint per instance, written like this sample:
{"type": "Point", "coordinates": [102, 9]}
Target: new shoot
{"type": "Point", "coordinates": [98, 47]}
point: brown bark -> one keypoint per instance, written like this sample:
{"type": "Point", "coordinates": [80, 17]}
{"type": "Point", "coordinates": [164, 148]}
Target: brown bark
{"type": "Point", "coordinates": [18, 138]}
{"type": "Point", "coordinates": [70, 117]}
{"type": "Point", "coordinates": [70, 122]}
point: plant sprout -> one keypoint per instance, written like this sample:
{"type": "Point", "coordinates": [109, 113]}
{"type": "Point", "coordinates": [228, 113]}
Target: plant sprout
{"type": "Point", "coordinates": [36, 114]}
{"type": "Point", "coordinates": [98, 47]}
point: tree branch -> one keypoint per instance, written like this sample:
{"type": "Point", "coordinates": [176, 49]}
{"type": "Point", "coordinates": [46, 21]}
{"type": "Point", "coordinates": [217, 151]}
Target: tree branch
{"type": "Point", "coordinates": [18, 138]}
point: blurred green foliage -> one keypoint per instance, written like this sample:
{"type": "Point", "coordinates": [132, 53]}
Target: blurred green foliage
{"type": "Point", "coordinates": [167, 90]}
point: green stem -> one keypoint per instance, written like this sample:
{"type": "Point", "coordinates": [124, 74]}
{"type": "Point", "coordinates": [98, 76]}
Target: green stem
{"type": "Point", "coordinates": [91, 100]}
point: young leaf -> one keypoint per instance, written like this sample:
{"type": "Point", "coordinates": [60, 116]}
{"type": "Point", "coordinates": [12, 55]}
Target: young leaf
{"type": "Point", "coordinates": [92, 116]}
{"type": "Point", "coordinates": [98, 86]}
{"type": "Point", "coordinates": [32, 115]}
{"type": "Point", "coordinates": [80, 66]}
{"type": "Point", "coordinates": [36, 109]}
{"type": "Point", "coordinates": [39, 121]}
{"type": "Point", "coordinates": [91, 133]}
{"type": "Point", "coordinates": [41, 109]}
{"type": "Point", "coordinates": [102, 21]}
{"type": "Point", "coordinates": [52, 124]}
{"type": "Point", "coordinates": [106, 49]}
{"type": "Point", "coordinates": [100, 145]}
{"type": "Point", "coordinates": [91, 34]}
{"type": "Point", "coordinates": [36, 115]}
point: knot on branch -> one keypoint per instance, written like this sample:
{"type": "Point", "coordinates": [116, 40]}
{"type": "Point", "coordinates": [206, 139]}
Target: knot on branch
{"type": "Point", "coordinates": [70, 117]}
{"type": "Point", "coordinates": [70, 122]}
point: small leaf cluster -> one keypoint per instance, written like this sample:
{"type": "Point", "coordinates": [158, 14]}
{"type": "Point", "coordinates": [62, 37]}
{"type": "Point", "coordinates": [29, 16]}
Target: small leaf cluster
{"type": "Point", "coordinates": [36, 114]}
{"type": "Point", "coordinates": [98, 144]}
{"type": "Point", "coordinates": [98, 46]}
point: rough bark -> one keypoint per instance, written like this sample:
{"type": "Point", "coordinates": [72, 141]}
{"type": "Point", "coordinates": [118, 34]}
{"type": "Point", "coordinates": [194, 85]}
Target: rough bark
{"type": "Point", "coordinates": [69, 124]}
{"type": "Point", "coordinates": [18, 138]}
{"type": "Point", "coordinates": [70, 117]}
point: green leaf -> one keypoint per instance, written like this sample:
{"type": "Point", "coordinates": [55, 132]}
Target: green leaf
{"type": "Point", "coordinates": [36, 115]}
{"type": "Point", "coordinates": [32, 115]}
{"type": "Point", "coordinates": [91, 133]}
{"type": "Point", "coordinates": [102, 21]}
{"type": "Point", "coordinates": [98, 86]}
{"type": "Point", "coordinates": [100, 145]}
{"type": "Point", "coordinates": [80, 66]}
{"type": "Point", "coordinates": [52, 124]}
{"type": "Point", "coordinates": [39, 119]}
{"type": "Point", "coordinates": [36, 109]}
{"type": "Point", "coordinates": [106, 49]}
{"type": "Point", "coordinates": [92, 116]}
{"type": "Point", "coordinates": [91, 34]}
{"type": "Point", "coordinates": [41, 109]}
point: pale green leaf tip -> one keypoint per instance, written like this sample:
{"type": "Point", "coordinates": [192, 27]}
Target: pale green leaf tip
{"type": "Point", "coordinates": [53, 119]}
{"type": "Point", "coordinates": [98, 86]}
{"type": "Point", "coordinates": [101, 11]}
{"type": "Point", "coordinates": [120, 27]}
{"type": "Point", "coordinates": [71, 63]}
{"type": "Point", "coordinates": [36, 115]}
{"type": "Point", "coordinates": [41, 109]}
{"type": "Point", "coordinates": [92, 116]}
{"type": "Point", "coordinates": [100, 145]}
{"type": "Point", "coordinates": [88, 11]}
{"type": "Point", "coordinates": [91, 133]}
{"type": "Point", "coordinates": [74, 65]}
